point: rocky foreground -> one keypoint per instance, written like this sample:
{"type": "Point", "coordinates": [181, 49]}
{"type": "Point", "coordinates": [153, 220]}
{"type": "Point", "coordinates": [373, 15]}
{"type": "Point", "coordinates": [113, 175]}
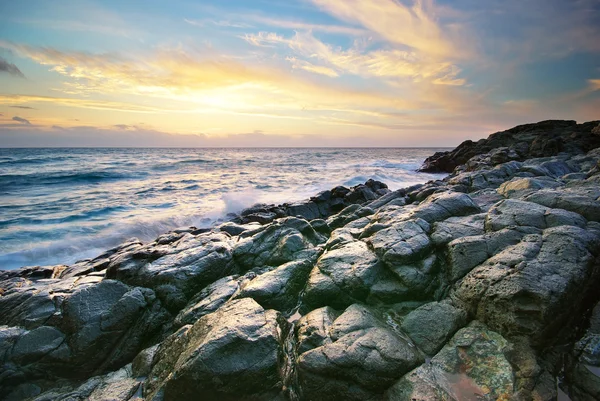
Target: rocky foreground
{"type": "Point", "coordinates": [480, 286]}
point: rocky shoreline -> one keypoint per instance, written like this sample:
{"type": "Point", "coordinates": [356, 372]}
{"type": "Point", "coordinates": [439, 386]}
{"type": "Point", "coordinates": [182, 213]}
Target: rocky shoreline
{"type": "Point", "coordinates": [480, 286]}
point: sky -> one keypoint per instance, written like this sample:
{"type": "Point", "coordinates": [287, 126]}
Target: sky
{"type": "Point", "coordinates": [292, 73]}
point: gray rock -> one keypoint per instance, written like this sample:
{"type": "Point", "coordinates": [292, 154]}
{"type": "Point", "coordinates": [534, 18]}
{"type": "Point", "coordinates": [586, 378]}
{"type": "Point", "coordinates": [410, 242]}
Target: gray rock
{"type": "Point", "coordinates": [432, 324]}
{"type": "Point", "coordinates": [467, 252]}
{"type": "Point", "coordinates": [37, 343]}
{"type": "Point", "coordinates": [282, 241]}
{"type": "Point", "coordinates": [518, 187]}
{"type": "Point", "coordinates": [440, 206]}
{"type": "Point", "coordinates": [401, 243]}
{"type": "Point", "coordinates": [471, 366]}
{"type": "Point", "coordinates": [279, 288]}
{"type": "Point", "coordinates": [364, 358]}
{"type": "Point", "coordinates": [312, 330]}
{"type": "Point", "coordinates": [211, 298]}
{"type": "Point", "coordinates": [143, 362]}
{"type": "Point", "coordinates": [457, 227]}
{"type": "Point", "coordinates": [516, 213]}
{"type": "Point", "coordinates": [342, 275]}
{"type": "Point", "coordinates": [570, 200]}
{"type": "Point", "coordinates": [229, 354]}
{"type": "Point", "coordinates": [527, 288]}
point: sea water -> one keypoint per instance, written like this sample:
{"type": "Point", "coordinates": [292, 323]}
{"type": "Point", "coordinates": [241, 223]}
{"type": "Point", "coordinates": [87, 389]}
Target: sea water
{"type": "Point", "coordinates": [63, 205]}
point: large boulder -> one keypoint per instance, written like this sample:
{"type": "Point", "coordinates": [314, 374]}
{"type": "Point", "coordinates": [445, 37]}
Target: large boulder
{"type": "Point", "coordinates": [364, 357]}
{"type": "Point", "coordinates": [472, 366]}
{"type": "Point", "coordinates": [230, 354]}
{"type": "Point", "coordinates": [342, 276]}
{"type": "Point", "coordinates": [530, 289]}
{"type": "Point", "coordinates": [280, 242]}
{"type": "Point", "coordinates": [432, 324]}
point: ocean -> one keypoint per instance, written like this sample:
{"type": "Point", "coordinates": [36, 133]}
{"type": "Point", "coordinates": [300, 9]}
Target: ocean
{"type": "Point", "coordinates": [58, 206]}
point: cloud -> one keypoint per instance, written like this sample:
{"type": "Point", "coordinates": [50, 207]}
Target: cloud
{"type": "Point", "coordinates": [22, 107]}
{"type": "Point", "coordinates": [381, 63]}
{"type": "Point", "coordinates": [10, 68]}
{"type": "Point", "coordinates": [594, 84]}
{"type": "Point", "coordinates": [219, 23]}
{"type": "Point", "coordinates": [416, 27]}
{"type": "Point", "coordinates": [305, 65]}
{"type": "Point", "coordinates": [305, 26]}
{"type": "Point", "coordinates": [264, 39]}
{"type": "Point", "coordinates": [194, 83]}
{"type": "Point", "coordinates": [21, 120]}
{"type": "Point", "coordinates": [80, 103]}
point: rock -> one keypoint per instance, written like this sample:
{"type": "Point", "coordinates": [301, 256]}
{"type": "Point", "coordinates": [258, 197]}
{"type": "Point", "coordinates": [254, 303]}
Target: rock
{"type": "Point", "coordinates": [342, 275]}
{"type": "Point", "coordinates": [211, 298]}
{"type": "Point", "coordinates": [465, 253]}
{"type": "Point", "coordinates": [546, 138]}
{"type": "Point", "coordinates": [432, 324]}
{"type": "Point", "coordinates": [571, 200]}
{"type": "Point", "coordinates": [526, 290]}
{"type": "Point", "coordinates": [457, 227]}
{"type": "Point", "coordinates": [518, 187]}
{"type": "Point", "coordinates": [226, 355]}
{"type": "Point", "coordinates": [142, 363]}
{"type": "Point", "coordinates": [471, 366]}
{"type": "Point", "coordinates": [279, 288]}
{"type": "Point", "coordinates": [37, 343]}
{"type": "Point", "coordinates": [282, 241]}
{"type": "Point", "coordinates": [583, 362]}
{"type": "Point", "coordinates": [440, 206]}
{"type": "Point", "coordinates": [401, 243]}
{"type": "Point", "coordinates": [364, 358]}
{"type": "Point", "coordinates": [312, 330]}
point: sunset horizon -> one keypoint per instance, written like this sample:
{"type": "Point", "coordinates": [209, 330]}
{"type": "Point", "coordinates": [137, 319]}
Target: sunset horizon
{"type": "Point", "coordinates": [305, 73]}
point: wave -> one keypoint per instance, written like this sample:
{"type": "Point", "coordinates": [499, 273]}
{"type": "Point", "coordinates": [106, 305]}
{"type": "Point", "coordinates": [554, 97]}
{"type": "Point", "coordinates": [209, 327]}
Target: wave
{"type": "Point", "coordinates": [88, 177]}
{"type": "Point", "coordinates": [9, 161]}
{"type": "Point", "coordinates": [86, 215]}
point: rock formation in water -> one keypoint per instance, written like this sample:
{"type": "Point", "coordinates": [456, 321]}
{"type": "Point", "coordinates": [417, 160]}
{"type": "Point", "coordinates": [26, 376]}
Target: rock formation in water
{"type": "Point", "coordinates": [480, 286]}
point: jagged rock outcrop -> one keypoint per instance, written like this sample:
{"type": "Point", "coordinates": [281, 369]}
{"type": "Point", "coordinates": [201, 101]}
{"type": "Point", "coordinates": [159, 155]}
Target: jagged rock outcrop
{"type": "Point", "coordinates": [546, 138]}
{"type": "Point", "coordinates": [478, 286]}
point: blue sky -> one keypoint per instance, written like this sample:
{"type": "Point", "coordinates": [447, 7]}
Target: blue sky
{"type": "Point", "coordinates": [295, 73]}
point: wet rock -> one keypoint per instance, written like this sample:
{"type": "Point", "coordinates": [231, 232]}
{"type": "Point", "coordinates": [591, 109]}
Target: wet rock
{"type": "Point", "coordinates": [471, 366]}
{"type": "Point", "coordinates": [211, 298]}
{"type": "Point", "coordinates": [282, 241]}
{"type": "Point", "coordinates": [342, 275]}
{"type": "Point", "coordinates": [364, 357]}
{"type": "Point", "coordinates": [528, 288]}
{"type": "Point", "coordinates": [226, 355]}
{"type": "Point", "coordinates": [279, 288]}
{"type": "Point", "coordinates": [312, 330]}
{"type": "Point", "coordinates": [432, 324]}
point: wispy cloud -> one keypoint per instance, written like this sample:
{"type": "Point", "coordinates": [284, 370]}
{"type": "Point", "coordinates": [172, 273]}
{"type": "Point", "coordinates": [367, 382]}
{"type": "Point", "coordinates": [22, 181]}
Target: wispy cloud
{"type": "Point", "coordinates": [415, 27]}
{"type": "Point", "coordinates": [79, 103]}
{"type": "Point", "coordinates": [317, 69]}
{"type": "Point", "coordinates": [21, 120]}
{"type": "Point", "coordinates": [392, 63]}
{"type": "Point", "coordinates": [23, 107]}
{"type": "Point", "coordinates": [185, 76]}
{"type": "Point", "coordinates": [306, 26]}
{"type": "Point", "coordinates": [10, 68]}
{"type": "Point", "coordinates": [219, 23]}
